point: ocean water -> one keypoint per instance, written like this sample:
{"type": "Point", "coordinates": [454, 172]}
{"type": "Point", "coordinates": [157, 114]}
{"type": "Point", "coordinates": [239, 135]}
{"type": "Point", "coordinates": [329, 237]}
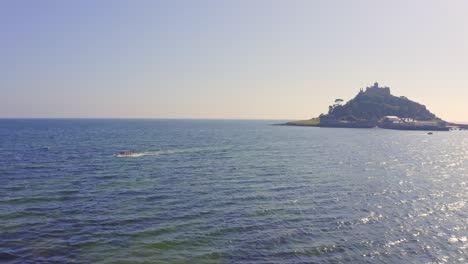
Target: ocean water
{"type": "Point", "coordinates": [229, 192]}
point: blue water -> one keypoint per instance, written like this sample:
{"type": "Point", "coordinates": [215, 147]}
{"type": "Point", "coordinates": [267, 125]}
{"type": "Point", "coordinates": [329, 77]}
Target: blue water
{"type": "Point", "coordinates": [229, 192]}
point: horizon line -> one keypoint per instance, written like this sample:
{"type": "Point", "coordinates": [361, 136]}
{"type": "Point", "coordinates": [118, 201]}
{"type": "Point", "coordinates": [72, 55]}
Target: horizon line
{"type": "Point", "coordinates": [163, 118]}
{"type": "Point", "coordinates": [141, 118]}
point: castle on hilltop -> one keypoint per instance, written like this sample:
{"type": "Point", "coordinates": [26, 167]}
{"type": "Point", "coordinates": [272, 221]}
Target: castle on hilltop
{"type": "Point", "coordinates": [376, 90]}
{"type": "Point", "coordinates": [376, 106]}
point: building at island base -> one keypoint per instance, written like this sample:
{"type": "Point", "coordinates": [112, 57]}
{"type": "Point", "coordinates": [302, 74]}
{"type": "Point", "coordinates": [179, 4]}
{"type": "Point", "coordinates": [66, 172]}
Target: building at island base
{"type": "Point", "coordinates": [394, 122]}
{"type": "Point", "coordinates": [390, 122]}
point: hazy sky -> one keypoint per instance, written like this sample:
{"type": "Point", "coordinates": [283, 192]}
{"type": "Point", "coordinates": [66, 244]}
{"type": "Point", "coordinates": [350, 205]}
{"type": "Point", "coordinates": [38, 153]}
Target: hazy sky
{"type": "Point", "coordinates": [227, 59]}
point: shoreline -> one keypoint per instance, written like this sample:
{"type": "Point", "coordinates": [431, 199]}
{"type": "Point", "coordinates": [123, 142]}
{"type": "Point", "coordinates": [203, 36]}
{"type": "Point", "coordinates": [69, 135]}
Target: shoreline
{"type": "Point", "coordinates": [449, 127]}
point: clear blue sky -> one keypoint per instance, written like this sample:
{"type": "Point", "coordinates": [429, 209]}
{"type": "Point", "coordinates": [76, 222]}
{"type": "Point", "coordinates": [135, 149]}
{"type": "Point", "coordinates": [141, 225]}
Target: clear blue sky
{"type": "Point", "coordinates": [227, 59]}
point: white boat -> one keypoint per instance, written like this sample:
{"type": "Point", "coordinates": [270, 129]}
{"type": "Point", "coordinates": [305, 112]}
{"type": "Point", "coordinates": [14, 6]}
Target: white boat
{"type": "Point", "coordinates": [129, 154]}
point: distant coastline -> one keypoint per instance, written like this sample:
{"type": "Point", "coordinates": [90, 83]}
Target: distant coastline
{"type": "Point", "coordinates": [307, 123]}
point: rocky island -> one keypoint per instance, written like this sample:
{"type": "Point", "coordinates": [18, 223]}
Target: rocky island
{"type": "Point", "coordinates": [375, 106]}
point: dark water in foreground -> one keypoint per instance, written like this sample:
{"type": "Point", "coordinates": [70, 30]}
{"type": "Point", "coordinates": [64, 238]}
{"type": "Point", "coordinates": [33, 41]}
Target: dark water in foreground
{"type": "Point", "coordinates": [229, 192]}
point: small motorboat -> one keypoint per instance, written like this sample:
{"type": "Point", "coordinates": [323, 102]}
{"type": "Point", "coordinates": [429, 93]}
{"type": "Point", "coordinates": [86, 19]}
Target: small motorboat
{"type": "Point", "coordinates": [126, 153]}
{"type": "Point", "coordinates": [122, 154]}
{"type": "Point", "coordinates": [430, 133]}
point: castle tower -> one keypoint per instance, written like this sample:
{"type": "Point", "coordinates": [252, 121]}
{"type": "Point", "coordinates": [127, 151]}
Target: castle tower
{"type": "Point", "coordinates": [376, 90]}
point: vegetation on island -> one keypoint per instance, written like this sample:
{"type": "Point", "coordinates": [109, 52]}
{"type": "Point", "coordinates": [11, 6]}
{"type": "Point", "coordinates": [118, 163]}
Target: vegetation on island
{"type": "Point", "coordinates": [309, 122]}
{"type": "Point", "coordinates": [368, 108]}
{"type": "Point", "coordinates": [375, 103]}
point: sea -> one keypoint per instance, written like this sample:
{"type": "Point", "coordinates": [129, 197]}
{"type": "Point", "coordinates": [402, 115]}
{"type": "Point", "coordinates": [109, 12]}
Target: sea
{"type": "Point", "coordinates": [229, 191]}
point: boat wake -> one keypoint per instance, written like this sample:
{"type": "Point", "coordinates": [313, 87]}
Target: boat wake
{"type": "Point", "coordinates": [129, 154]}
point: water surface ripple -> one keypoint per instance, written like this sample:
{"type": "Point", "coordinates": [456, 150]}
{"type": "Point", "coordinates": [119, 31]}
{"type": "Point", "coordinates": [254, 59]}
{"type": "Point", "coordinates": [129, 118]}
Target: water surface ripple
{"type": "Point", "coordinates": [229, 192]}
